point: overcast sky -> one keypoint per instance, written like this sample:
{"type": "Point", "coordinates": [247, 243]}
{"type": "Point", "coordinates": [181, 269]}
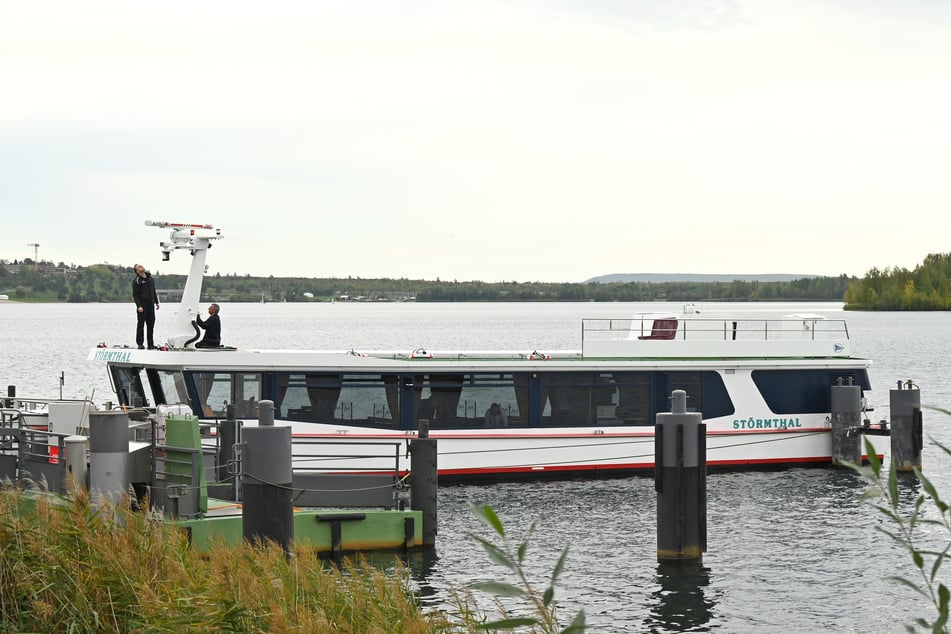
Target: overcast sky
{"type": "Point", "coordinates": [527, 140]}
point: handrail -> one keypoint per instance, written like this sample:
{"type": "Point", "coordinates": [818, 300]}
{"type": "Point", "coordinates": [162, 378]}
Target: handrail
{"type": "Point", "coordinates": [770, 329]}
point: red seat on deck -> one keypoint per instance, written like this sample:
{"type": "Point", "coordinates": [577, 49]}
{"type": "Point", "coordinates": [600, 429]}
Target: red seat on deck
{"type": "Point", "coordinates": [662, 329]}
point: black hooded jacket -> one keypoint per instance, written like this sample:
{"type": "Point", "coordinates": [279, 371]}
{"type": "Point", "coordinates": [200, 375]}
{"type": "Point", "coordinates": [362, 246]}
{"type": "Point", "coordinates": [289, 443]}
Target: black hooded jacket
{"type": "Point", "coordinates": [143, 292]}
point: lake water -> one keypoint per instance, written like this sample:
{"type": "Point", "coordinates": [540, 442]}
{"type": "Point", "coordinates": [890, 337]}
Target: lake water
{"type": "Point", "coordinates": [793, 550]}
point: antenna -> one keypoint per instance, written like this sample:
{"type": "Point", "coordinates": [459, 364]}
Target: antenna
{"type": "Point", "coordinates": [196, 239]}
{"type": "Point", "coordinates": [36, 248]}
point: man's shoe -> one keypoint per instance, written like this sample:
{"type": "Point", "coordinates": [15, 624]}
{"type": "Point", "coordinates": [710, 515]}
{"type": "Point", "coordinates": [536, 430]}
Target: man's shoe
{"type": "Point", "coordinates": [141, 347]}
{"type": "Point", "coordinates": [153, 347]}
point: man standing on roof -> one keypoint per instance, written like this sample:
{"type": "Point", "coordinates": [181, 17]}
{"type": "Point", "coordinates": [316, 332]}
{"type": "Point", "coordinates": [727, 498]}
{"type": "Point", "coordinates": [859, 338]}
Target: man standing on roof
{"type": "Point", "coordinates": [146, 303]}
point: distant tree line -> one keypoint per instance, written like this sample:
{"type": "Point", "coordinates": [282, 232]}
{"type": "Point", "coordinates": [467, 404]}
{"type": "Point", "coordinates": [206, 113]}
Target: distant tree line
{"type": "Point", "coordinates": [927, 287]}
{"type": "Point", "coordinates": [111, 283]}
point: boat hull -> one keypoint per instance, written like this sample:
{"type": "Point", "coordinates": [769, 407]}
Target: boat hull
{"type": "Point", "coordinates": [474, 454]}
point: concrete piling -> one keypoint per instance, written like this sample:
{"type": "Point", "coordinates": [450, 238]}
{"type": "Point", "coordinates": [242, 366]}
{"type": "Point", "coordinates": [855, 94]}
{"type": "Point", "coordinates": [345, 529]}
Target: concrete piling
{"type": "Point", "coordinates": [109, 455]}
{"type": "Point", "coordinates": [680, 479]}
{"type": "Point", "coordinates": [906, 426]}
{"type": "Point", "coordinates": [267, 475]}
{"type": "Point", "coordinates": [76, 460]}
{"type": "Point", "coordinates": [846, 410]}
{"type": "Point", "coordinates": [425, 481]}
{"type": "Point", "coordinates": [228, 436]}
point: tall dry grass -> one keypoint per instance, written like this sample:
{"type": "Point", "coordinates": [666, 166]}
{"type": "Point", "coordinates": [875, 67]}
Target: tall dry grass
{"type": "Point", "coordinates": [73, 566]}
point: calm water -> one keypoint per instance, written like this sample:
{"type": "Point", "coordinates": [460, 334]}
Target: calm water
{"type": "Point", "coordinates": [792, 550]}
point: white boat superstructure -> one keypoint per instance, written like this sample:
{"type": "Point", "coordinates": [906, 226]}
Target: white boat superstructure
{"type": "Point", "coordinates": [762, 386]}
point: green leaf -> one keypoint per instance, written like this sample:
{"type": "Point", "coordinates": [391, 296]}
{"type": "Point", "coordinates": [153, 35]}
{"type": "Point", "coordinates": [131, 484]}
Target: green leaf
{"type": "Point", "coordinates": [944, 448]}
{"type": "Point", "coordinates": [939, 559]}
{"type": "Point", "coordinates": [495, 553]}
{"type": "Point", "coordinates": [893, 486]}
{"type": "Point", "coordinates": [906, 582]}
{"type": "Point", "coordinates": [928, 487]}
{"type": "Point", "coordinates": [548, 596]}
{"type": "Point", "coordinates": [498, 588]}
{"type": "Point", "coordinates": [508, 624]}
{"type": "Point", "coordinates": [559, 566]}
{"type": "Point", "coordinates": [940, 624]}
{"type": "Point", "coordinates": [577, 625]}
{"type": "Point", "coordinates": [523, 547]}
{"type": "Point", "coordinates": [873, 460]}
{"type": "Point", "coordinates": [487, 514]}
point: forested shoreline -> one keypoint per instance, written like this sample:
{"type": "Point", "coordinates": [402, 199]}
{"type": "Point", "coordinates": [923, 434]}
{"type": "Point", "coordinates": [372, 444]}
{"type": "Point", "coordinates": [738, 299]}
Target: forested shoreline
{"type": "Point", "coordinates": [927, 287]}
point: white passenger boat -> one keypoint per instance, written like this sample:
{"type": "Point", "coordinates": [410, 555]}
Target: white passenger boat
{"type": "Point", "coordinates": [762, 386]}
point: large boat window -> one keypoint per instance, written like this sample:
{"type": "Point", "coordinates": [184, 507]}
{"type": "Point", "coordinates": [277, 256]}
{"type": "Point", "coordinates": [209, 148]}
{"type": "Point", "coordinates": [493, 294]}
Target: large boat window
{"type": "Point", "coordinates": [216, 390]}
{"type": "Point", "coordinates": [172, 384]}
{"type": "Point", "coordinates": [632, 404]}
{"type": "Point", "coordinates": [705, 393]}
{"type": "Point", "coordinates": [129, 388]}
{"type": "Point", "coordinates": [803, 391]}
{"type": "Point", "coordinates": [689, 382]}
{"type": "Point", "coordinates": [471, 400]}
{"type": "Point", "coordinates": [589, 398]}
{"type": "Point", "coordinates": [363, 399]}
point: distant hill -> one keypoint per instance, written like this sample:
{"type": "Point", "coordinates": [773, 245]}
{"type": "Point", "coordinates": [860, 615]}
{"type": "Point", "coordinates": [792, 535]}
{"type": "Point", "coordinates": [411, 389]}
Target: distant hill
{"type": "Point", "coordinates": [660, 278]}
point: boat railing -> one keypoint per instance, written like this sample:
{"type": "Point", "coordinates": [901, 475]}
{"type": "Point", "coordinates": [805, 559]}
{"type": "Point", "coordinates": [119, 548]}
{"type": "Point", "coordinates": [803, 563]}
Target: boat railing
{"type": "Point", "coordinates": [786, 329]}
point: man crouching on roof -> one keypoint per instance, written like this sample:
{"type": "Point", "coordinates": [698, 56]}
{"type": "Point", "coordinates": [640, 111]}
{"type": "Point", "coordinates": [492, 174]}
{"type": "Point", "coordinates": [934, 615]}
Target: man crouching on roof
{"type": "Point", "coordinates": [212, 326]}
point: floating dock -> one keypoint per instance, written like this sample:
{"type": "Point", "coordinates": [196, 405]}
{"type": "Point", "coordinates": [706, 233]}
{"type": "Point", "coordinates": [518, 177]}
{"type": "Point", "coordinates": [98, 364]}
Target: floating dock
{"type": "Point", "coordinates": [207, 479]}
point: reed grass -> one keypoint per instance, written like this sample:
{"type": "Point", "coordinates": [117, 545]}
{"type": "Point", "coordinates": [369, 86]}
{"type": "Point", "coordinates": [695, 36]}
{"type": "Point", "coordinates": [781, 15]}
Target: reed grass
{"type": "Point", "coordinates": [69, 565]}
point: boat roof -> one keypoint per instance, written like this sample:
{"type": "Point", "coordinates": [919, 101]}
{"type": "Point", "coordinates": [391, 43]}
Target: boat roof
{"type": "Point", "coordinates": [643, 340]}
{"type": "Point", "coordinates": [606, 343]}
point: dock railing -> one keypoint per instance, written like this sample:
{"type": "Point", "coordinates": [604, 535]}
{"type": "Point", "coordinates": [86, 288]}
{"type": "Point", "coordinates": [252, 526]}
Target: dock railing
{"type": "Point", "coordinates": [368, 480]}
{"type": "Point", "coordinates": [32, 457]}
{"type": "Point", "coordinates": [341, 473]}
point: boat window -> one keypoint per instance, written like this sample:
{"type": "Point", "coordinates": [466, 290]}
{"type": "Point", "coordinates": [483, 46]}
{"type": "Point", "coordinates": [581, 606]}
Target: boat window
{"type": "Point", "coordinates": [172, 385]}
{"type": "Point", "coordinates": [216, 390]}
{"type": "Point", "coordinates": [804, 391]}
{"type": "Point", "coordinates": [705, 393]}
{"type": "Point", "coordinates": [595, 398]}
{"type": "Point", "coordinates": [689, 382]}
{"type": "Point", "coordinates": [475, 400]}
{"type": "Point", "coordinates": [567, 398]}
{"type": "Point", "coordinates": [716, 399]}
{"type": "Point", "coordinates": [633, 400]}
{"type": "Point", "coordinates": [129, 388]}
{"type": "Point", "coordinates": [362, 399]}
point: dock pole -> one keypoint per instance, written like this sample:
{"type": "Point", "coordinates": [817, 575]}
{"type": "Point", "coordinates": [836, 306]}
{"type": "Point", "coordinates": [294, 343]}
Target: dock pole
{"type": "Point", "coordinates": [680, 479]}
{"type": "Point", "coordinates": [109, 455]}
{"type": "Point", "coordinates": [425, 481]}
{"type": "Point", "coordinates": [266, 479]}
{"type": "Point", "coordinates": [229, 436]}
{"type": "Point", "coordinates": [846, 410]}
{"type": "Point", "coordinates": [906, 424]}
{"type": "Point", "coordinates": [11, 394]}
{"type": "Point", "coordinates": [76, 461]}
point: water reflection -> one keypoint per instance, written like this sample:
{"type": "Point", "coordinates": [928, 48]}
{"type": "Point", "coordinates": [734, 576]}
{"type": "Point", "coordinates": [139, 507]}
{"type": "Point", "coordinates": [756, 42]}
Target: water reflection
{"type": "Point", "coordinates": [422, 565]}
{"type": "Point", "coordinates": [683, 602]}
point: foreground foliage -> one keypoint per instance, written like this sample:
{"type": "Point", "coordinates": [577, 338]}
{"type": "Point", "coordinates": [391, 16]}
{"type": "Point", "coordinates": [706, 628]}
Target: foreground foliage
{"type": "Point", "coordinates": [903, 530]}
{"type": "Point", "coordinates": [69, 565]}
{"type": "Point", "coordinates": [73, 567]}
{"type": "Point", "coordinates": [542, 613]}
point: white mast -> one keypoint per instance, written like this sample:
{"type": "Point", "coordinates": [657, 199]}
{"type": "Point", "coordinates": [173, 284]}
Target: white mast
{"type": "Point", "coordinates": [197, 239]}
